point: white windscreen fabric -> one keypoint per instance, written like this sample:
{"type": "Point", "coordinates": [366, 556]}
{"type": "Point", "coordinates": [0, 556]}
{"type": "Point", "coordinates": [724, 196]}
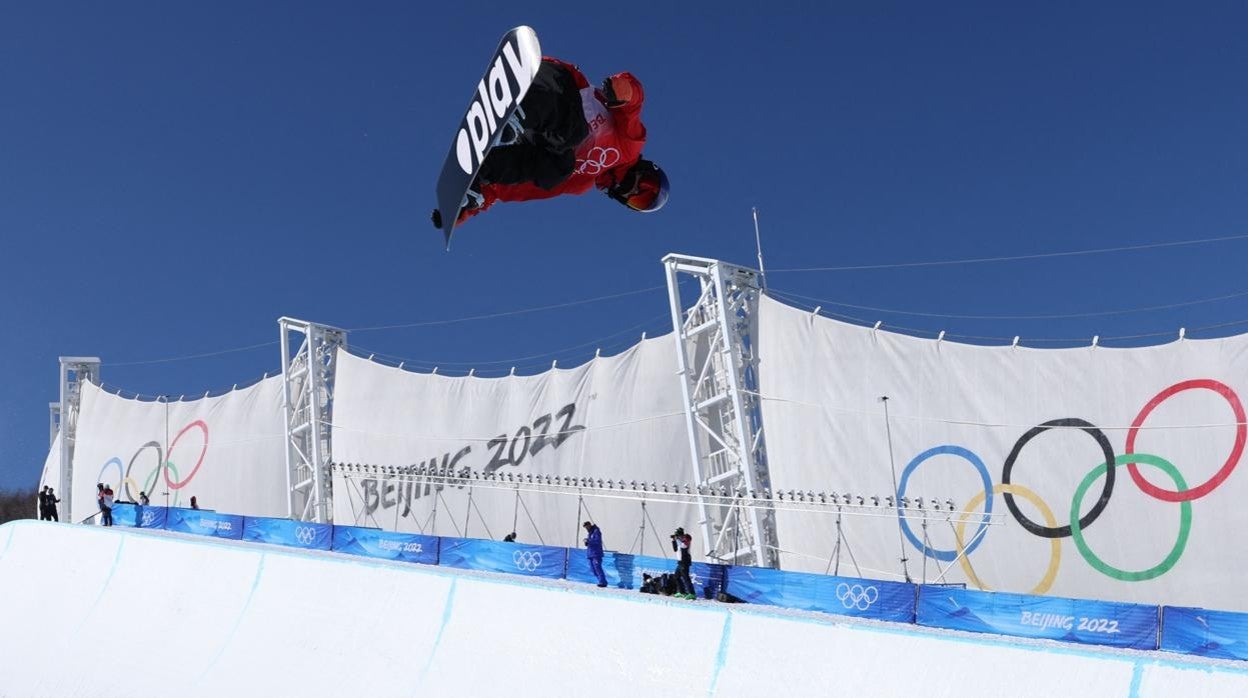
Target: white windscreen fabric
{"type": "Point", "coordinates": [227, 451]}
{"type": "Point", "coordinates": [958, 412]}
{"type": "Point", "coordinates": [616, 417]}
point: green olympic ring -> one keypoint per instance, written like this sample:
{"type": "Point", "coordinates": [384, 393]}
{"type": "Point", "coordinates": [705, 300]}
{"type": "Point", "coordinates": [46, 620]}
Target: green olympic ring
{"type": "Point", "coordinates": [150, 482]}
{"type": "Point", "coordinates": [1185, 520]}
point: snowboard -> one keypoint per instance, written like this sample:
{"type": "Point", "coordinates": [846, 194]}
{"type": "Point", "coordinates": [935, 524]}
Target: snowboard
{"type": "Point", "coordinates": [498, 94]}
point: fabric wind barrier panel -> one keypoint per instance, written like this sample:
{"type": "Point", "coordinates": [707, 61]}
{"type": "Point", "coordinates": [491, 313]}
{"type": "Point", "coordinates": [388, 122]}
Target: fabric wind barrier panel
{"type": "Point", "coordinates": [1219, 634]}
{"type": "Point", "coordinates": [294, 534]}
{"type": "Point", "coordinates": [617, 417]}
{"type": "Point", "coordinates": [228, 451]}
{"type": "Point", "coordinates": [205, 523]}
{"type": "Point", "coordinates": [135, 516]}
{"type": "Point", "coordinates": [386, 545]}
{"type": "Point", "coordinates": [846, 596]}
{"type": "Point", "coordinates": [510, 558]}
{"type": "Point", "coordinates": [1018, 615]}
{"type": "Point", "coordinates": [625, 571]}
{"type": "Point", "coordinates": [1018, 439]}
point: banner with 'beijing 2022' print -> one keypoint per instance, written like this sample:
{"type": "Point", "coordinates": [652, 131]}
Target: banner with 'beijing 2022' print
{"type": "Point", "coordinates": [386, 545]}
{"type": "Point", "coordinates": [205, 523]}
{"type": "Point", "coordinates": [1017, 615]}
{"type": "Point", "coordinates": [615, 418]}
{"type": "Point", "coordinates": [1087, 472]}
{"type": "Point", "coordinates": [227, 451]}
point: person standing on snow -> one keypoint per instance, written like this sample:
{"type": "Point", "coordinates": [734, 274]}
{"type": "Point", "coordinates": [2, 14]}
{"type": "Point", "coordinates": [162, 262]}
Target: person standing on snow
{"type": "Point", "coordinates": [593, 551]}
{"type": "Point", "coordinates": [106, 504]}
{"type": "Point", "coordinates": [567, 138]}
{"type": "Point", "coordinates": [52, 501]}
{"type": "Point", "coordinates": [680, 544]}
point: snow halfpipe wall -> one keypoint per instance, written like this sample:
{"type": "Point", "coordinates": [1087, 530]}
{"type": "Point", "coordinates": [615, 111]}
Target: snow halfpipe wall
{"type": "Point", "coordinates": [101, 612]}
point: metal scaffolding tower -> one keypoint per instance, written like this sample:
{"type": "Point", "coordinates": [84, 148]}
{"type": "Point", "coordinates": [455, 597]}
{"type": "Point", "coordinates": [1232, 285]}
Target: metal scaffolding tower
{"type": "Point", "coordinates": [307, 401]}
{"type": "Point", "coordinates": [54, 422]}
{"type": "Point", "coordinates": [75, 370]}
{"type": "Point", "coordinates": [718, 368]}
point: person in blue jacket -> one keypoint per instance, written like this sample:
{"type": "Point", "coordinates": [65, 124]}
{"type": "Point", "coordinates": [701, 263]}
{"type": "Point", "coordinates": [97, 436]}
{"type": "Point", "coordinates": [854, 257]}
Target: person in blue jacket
{"type": "Point", "coordinates": [593, 551]}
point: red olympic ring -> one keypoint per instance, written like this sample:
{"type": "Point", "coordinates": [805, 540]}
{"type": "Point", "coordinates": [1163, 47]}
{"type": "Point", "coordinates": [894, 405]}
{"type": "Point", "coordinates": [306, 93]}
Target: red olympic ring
{"type": "Point", "coordinates": [1241, 434]}
{"type": "Point", "coordinates": [178, 485]}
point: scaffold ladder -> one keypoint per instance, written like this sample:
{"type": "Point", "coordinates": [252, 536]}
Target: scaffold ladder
{"type": "Point", "coordinates": [307, 403]}
{"type": "Point", "coordinates": [718, 368]}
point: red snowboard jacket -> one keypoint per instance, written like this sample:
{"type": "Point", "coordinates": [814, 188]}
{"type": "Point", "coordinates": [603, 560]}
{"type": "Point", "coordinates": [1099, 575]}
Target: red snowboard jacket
{"type": "Point", "coordinates": [616, 136]}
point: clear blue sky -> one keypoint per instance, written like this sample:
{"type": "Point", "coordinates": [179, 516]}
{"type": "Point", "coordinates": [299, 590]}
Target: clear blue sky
{"type": "Point", "coordinates": [174, 176]}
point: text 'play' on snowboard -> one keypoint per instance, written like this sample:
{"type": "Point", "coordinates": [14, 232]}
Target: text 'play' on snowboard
{"type": "Point", "coordinates": [504, 84]}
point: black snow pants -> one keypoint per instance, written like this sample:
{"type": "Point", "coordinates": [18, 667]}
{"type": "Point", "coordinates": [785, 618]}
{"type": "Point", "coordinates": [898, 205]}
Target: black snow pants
{"type": "Point", "coordinates": [544, 152]}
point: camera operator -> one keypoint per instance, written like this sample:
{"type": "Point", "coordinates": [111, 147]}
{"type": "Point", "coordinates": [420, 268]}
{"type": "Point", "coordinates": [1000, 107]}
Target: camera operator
{"type": "Point", "coordinates": [680, 544]}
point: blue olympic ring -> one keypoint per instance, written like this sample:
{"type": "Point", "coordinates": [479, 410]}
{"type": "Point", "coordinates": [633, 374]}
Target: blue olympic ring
{"type": "Point", "coordinates": [947, 555]}
{"type": "Point", "coordinates": [121, 474]}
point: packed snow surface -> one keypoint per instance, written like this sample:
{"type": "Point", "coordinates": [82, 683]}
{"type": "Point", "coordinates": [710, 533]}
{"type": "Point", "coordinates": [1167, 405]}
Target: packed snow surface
{"type": "Point", "coordinates": [108, 612]}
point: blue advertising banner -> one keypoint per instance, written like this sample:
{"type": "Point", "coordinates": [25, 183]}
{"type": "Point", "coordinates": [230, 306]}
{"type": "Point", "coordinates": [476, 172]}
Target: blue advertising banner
{"type": "Point", "coordinates": [512, 558]}
{"type": "Point", "coordinates": [624, 571]}
{"type": "Point", "coordinates": [123, 515]}
{"type": "Point", "coordinates": [1220, 634]}
{"type": "Point", "coordinates": [847, 596]}
{"type": "Point", "coordinates": [616, 566]}
{"type": "Point", "coordinates": [387, 545]}
{"type": "Point", "coordinates": [296, 534]}
{"type": "Point", "coordinates": [127, 514]}
{"type": "Point", "coordinates": [1070, 620]}
{"type": "Point", "coordinates": [204, 523]}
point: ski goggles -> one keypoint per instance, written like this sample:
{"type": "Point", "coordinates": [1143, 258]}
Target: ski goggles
{"type": "Point", "coordinates": [645, 188]}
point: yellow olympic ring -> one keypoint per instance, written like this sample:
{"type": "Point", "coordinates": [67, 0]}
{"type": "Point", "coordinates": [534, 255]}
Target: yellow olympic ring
{"type": "Point", "coordinates": [1055, 545]}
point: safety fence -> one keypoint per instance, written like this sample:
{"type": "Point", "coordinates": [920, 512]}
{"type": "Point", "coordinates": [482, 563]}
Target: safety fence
{"type": "Point", "coordinates": [1217, 634]}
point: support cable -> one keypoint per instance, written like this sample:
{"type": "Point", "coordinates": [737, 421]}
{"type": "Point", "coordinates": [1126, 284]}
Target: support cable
{"type": "Point", "coordinates": [1053, 316]}
{"type": "Point", "coordinates": [1016, 258]}
{"type": "Point", "coordinates": [927, 333]}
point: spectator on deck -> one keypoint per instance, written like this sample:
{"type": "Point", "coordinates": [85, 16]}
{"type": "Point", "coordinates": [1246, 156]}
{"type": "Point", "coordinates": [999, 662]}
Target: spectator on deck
{"type": "Point", "coordinates": [99, 499]}
{"type": "Point", "coordinates": [194, 503]}
{"type": "Point", "coordinates": [593, 551]}
{"type": "Point", "coordinates": [510, 537]}
{"type": "Point", "coordinates": [50, 504]}
{"type": "Point", "coordinates": [680, 544]}
{"type": "Point", "coordinates": [106, 504]}
{"type": "Point", "coordinates": [43, 503]}
{"type": "Point", "coordinates": [143, 499]}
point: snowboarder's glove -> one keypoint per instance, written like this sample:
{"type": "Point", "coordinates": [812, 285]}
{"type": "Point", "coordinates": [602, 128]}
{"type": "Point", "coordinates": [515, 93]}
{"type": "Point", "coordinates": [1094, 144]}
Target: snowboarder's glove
{"type": "Point", "coordinates": [617, 92]}
{"type": "Point", "coordinates": [436, 217]}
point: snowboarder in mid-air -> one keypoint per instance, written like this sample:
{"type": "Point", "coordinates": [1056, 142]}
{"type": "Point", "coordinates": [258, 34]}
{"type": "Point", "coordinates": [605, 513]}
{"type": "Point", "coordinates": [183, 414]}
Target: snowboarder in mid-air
{"type": "Point", "coordinates": [567, 137]}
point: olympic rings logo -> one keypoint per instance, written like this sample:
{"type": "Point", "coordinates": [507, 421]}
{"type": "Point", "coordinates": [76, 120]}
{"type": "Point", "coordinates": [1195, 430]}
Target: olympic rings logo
{"type": "Point", "coordinates": [305, 535]}
{"type": "Point", "coordinates": [1072, 524]}
{"type": "Point", "coordinates": [149, 518]}
{"type": "Point", "coordinates": [163, 465]}
{"type": "Point", "coordinates": [856, 595]}
{"type": "Point", "coordinates": [526, 561]}
{"type": "Point", "coordinates": [598, 160]}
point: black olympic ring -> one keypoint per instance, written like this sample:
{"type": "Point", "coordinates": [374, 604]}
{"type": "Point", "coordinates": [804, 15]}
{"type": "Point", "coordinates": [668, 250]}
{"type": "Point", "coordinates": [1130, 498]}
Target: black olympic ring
{"type": "Point", "coordinates": [1087, 519]}
{"type": "Point", "coordinates": [160, 462]}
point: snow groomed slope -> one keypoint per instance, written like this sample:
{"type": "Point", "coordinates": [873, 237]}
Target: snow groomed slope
{"type": "Point", "coordinates": [103, 612]}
